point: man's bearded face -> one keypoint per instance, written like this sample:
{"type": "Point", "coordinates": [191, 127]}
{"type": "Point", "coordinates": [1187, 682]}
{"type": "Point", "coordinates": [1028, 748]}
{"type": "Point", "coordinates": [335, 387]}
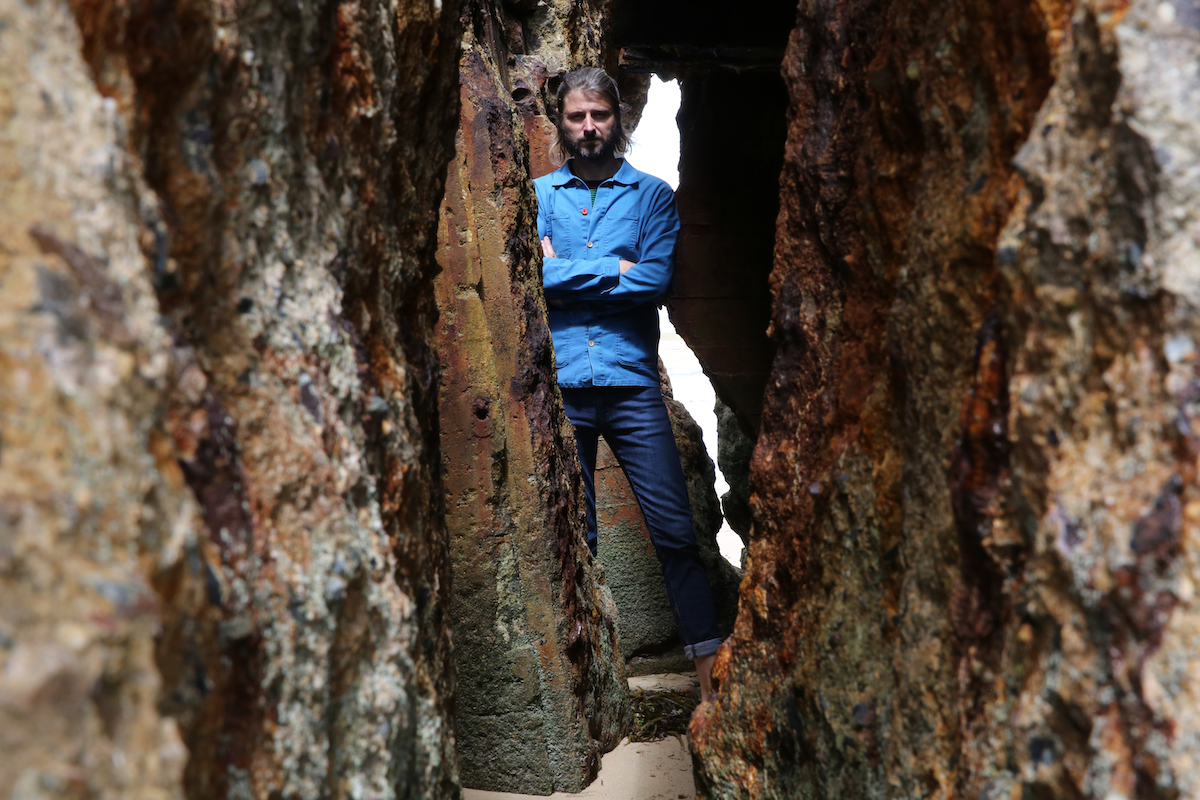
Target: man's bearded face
{"type": "Point", "coordinates": [588, 125]}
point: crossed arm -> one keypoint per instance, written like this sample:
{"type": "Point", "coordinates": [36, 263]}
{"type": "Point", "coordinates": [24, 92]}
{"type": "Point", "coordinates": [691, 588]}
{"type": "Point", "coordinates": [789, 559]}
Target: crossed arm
{"type": "Point", "coordinates": [611, 281]}
{"type": "Point", "coordinates": [548, 252]}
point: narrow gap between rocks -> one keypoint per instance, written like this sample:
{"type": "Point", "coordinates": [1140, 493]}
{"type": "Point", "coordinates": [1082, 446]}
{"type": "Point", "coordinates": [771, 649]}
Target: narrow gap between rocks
{"type": "Point", "coordinates": [655, 149]}
{"type": "Point", "coordinates": [535, 710]}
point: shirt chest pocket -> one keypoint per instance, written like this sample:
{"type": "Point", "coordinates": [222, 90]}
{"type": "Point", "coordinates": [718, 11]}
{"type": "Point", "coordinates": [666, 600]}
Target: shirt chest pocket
{"type": "Point", "coordinates": [561, 234]}
{"type": "Point", "coordinates": [621, 233]}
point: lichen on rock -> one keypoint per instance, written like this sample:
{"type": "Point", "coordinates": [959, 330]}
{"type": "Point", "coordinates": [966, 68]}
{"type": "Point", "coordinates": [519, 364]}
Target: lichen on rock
{"type": "Point", "coordinates": [542, 690]}
{"type": "Point", "coordinates": [968, 573]}
{"type": "Point", "coordinates": [218, 414]}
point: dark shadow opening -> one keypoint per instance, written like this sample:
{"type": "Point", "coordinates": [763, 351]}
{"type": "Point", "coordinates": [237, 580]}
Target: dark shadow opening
{"type": "Point", "coordinates": [732, 125]}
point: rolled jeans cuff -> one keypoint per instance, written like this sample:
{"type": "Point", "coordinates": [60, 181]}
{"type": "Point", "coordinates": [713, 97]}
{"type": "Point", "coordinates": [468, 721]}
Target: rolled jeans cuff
{"type": "Point", "coordinates": [701, 649]}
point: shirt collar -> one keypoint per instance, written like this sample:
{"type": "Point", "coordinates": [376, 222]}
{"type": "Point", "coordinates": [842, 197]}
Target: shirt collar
{"type": "Point", "coordinates": [625, 176]}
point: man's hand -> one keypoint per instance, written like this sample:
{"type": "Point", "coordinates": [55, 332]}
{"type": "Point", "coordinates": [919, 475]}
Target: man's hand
{"type": "Point", "coordinates": [548, 252]}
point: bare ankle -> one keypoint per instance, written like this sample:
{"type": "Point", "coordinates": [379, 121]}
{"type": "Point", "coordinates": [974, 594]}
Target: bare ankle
{"type": "Point", "coordinates": [704, 667]}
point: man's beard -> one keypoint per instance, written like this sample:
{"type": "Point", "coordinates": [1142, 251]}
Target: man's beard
{"type": "Point", "coordinates": [603, 152]}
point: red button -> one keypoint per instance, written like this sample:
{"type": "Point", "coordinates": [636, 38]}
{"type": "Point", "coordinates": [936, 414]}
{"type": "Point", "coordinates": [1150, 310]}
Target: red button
{"type": "Point", "coordinates": [584, 210]}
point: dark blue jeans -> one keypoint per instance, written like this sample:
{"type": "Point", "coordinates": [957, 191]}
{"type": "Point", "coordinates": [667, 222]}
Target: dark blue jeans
{"type": "Point", "coordinates": [633, 421]}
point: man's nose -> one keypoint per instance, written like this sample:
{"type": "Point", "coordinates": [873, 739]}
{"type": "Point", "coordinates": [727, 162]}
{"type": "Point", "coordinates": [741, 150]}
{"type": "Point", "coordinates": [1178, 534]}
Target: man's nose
{"type": "Point", "coordinates": [588, 124]}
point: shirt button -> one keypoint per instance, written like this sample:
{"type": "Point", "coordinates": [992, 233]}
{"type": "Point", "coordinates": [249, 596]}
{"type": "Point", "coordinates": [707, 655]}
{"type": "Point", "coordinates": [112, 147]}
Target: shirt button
{"type": "Point", "coordinates": [584, 210]}
{"type": "Point", "coordinates": [589, 244]}
{"type": "Point", "coordinates": [591, 344]}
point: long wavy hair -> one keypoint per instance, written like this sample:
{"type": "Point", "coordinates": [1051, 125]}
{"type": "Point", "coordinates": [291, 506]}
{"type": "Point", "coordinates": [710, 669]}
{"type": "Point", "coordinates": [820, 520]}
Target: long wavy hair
{"type": "Point", "coordinates": [592, 81]}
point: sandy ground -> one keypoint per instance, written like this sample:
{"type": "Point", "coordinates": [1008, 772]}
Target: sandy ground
{"type": "Point", "coordinates": [634, 770]}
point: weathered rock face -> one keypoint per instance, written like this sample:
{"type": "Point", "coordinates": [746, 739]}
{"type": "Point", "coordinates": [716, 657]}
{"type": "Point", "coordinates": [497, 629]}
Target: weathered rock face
{"type": "Point", "coordinates": [734, 451]}
{"type": "Point", "coordinates": [1104, 283]}
{"type": "Point", "coordinates": [220, 494]}
{"type": "Point", "coordinates": [87, 516]}
{"type": "Point", "coordinates": [222, 558]}
{"type": "Point", "coordinates": [630, 567]}
{"type": "Point", "coordinates": [625, 550]}
{"type": "Point", "coordinates": [542, 690]}
{"type": "Point", "coordinates": [970, 573]}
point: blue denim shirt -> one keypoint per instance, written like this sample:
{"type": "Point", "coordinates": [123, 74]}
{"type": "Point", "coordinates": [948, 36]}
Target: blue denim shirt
{"type": "Point", "coordinates": [605, 323]}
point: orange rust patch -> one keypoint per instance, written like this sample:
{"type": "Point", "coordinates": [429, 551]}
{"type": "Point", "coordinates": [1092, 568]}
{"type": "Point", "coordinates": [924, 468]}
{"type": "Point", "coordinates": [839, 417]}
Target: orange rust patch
{"type": "Point", "coordinates": [353, 78]}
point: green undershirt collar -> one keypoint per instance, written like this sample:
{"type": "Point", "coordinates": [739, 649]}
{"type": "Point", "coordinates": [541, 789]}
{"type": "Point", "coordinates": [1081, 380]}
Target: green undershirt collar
{"type": "Point", "coordinates": [593, 187]}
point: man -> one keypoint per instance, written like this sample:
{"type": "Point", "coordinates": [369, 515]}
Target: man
{"type": "Point", "coordinates": [608, 236]}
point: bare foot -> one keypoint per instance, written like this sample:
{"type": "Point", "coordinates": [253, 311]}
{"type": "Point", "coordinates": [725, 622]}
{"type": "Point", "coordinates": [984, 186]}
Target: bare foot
{"type": "Point", "coordinates": [704, 668]}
